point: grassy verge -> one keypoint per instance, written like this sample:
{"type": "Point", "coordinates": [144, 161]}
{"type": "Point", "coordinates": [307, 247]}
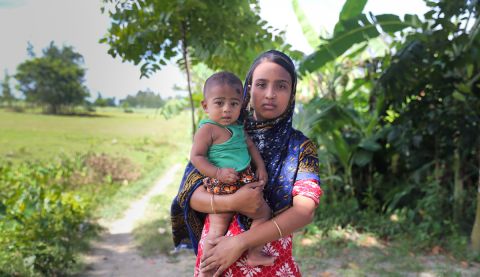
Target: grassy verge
{"type": "Point", "coordinates": [153, 233]}
{"type": "Point", "coordinates": [115, 202]}
{"type": "Point", "coordinates": [345, 252]}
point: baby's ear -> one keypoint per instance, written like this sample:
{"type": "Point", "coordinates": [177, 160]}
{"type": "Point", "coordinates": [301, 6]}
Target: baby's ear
{"type": "Point", "coordinates": [204, 105]}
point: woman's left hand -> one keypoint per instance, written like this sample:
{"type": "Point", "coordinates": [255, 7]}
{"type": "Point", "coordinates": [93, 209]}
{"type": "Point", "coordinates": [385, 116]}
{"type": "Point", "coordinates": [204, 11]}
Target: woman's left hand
{"type": "Point", "coordinates": [224, 252]}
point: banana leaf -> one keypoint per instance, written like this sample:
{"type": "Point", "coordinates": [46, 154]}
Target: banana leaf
{"type": "Point", "coordinates": [353, 31]}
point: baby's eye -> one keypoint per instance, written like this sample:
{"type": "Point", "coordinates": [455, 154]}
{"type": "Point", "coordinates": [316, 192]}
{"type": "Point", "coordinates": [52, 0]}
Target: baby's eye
{"type": "Point", "coordinates": [217, 103]}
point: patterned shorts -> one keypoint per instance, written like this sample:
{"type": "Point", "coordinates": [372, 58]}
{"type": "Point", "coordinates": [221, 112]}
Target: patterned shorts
{"type": "Point", "coordinates": [216, 187]}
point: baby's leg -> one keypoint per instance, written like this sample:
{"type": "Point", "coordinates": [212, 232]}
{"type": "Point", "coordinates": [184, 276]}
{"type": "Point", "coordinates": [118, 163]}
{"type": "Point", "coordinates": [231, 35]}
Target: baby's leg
{"type": "Point", "coordinates": [218, 227]}
{"type": "Point", "coordinates": [255, 255]}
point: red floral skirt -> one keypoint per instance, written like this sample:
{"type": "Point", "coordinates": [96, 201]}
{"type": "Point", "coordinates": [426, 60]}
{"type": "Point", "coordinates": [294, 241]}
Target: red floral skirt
{"type": "Point", "coordinates": [284, 264]}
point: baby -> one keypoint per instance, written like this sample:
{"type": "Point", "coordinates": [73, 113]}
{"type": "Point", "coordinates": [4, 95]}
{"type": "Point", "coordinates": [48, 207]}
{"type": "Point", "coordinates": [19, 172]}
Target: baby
{"type": "Point", "coordinates": [222, 152]}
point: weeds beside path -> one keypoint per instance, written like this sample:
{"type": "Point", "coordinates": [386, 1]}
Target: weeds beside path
{"type": "Point", "coordinates": [116, 253]}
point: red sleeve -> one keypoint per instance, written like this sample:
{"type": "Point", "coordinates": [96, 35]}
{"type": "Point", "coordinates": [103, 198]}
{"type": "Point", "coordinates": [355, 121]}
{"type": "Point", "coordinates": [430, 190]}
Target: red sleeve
{"type": "Point", "coordinates": [308, 188]}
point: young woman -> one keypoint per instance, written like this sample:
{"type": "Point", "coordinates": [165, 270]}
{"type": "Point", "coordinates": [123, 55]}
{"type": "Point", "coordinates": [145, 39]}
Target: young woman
{"type": "Point", "coordinates": [292, 190]}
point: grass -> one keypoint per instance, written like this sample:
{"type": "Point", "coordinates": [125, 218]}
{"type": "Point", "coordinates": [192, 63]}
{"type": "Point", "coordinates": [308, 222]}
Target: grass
{"type": "Point", "coordinates": [153, 233]}
{"type": "Point", "coordinates": [151, 142]}
{"type": "Point", "coordinates": [345, 252]}
{"type": "Point", "coordinates": [140, 136]}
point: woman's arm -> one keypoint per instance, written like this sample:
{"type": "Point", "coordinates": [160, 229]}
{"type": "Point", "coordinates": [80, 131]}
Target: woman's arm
{"type": "Point", "coordinates": [247, 200]}
{"type": "Point", "coordinates": [227, 250]}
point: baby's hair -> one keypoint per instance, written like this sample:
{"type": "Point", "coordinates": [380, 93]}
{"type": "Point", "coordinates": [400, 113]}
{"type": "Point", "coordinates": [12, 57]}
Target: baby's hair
{"type": "Point", "coordinates": [223, 78]}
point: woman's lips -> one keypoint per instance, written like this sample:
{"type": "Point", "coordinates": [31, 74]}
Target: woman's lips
{"type": "Point", "coordinates": [269, 106]}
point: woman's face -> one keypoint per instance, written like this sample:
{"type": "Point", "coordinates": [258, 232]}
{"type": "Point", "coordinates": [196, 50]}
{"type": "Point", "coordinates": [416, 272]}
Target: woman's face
{"type": "Point", "coordinates": [270, 91]}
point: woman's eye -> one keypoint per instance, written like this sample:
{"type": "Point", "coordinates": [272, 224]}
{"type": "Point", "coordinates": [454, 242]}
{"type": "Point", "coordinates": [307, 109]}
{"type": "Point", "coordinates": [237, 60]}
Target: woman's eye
{"type": "Point", "coordinates": [260, 85]}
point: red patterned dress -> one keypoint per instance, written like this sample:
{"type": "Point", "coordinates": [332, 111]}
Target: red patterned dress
{"type": "Point", "coordinates": [285, 264]}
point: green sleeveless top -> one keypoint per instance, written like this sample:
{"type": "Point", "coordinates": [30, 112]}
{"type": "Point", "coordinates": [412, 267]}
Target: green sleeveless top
{"type": "Point", "coordinates": [231, 154]}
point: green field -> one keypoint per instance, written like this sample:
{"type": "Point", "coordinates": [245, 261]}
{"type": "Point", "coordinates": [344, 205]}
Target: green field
{"type": "Point", "coordinates": [140, 136]}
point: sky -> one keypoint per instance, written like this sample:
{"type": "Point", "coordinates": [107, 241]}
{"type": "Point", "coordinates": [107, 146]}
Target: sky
{"type": "Point", "coordinates": [79, 23]}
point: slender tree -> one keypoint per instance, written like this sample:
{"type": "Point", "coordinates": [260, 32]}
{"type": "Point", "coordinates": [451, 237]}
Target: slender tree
{"type": "Point", "coordinates": [7, 95]}
{"type": "Point", "coordinates": [224, 35]}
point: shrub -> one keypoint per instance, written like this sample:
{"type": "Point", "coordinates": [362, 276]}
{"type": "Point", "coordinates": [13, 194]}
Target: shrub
{"type": "Point", "coordinates": [40, 223]}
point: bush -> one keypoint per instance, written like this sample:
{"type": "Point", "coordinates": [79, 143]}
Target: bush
{"type": "Point", "coordinates": [40, 222]}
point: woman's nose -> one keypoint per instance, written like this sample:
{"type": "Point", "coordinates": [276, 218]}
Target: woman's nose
{"type": "Point", "coordinates": [270, 93]}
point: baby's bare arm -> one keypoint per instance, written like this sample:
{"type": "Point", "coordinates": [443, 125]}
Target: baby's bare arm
{"type": "Point", "coordinates": [202, 140]}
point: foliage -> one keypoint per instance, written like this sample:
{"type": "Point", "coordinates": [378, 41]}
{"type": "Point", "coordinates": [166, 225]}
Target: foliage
{"type": "Point", "coordinates": [432, 86]}
{"type": "Point", "coordinates": [104, 102]}
{"type": "Point", "coordinates": [144, 99]}
{"type": "Point", "coordinates": [398, 130]}
{"type": "Point", "coordinates": [354, 28]}
{"type": "Point", "coordinates": [173, 107]}
{"type": "Point", "coordinates": [55, 79]}
{"type": "Point", "coordinates": [151, 33]}
{"type": "Point", "coordinates": [40, 222]}
{"type": "Point", "coordinates": [6, 95]}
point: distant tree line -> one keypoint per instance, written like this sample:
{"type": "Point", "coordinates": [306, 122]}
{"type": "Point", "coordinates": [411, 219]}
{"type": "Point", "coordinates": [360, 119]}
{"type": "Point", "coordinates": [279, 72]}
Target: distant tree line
{"type": "Point", "coordinates": [104, 102]}
{"type": "Point", "coordinates": [143, 99]}
{"type": "Point", "coordinates": [55, 81]}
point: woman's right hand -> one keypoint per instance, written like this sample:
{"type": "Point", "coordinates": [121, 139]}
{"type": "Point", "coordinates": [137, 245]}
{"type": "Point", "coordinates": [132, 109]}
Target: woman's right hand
{"type": "Point", "coordinates": [248, 200]}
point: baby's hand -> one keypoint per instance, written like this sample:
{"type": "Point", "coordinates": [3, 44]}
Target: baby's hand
{"type": "Point", "coordinates": [226, 175]}
{"type": "Point", "coordinates": [262, 175]}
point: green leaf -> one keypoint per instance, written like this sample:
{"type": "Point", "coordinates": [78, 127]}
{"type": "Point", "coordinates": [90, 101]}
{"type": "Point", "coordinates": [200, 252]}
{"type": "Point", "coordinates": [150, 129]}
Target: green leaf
{"type": "Point", "coordinates": [362, 157]}
{"type": "Point", "coordinates": [390, 23]}
{"type": "Point", "coordinates": [356, 30]}
{"type": "Point", "coordinates": [307, 28]}
{"type": "Point", "coordinates": [350, 9]}
{"type": "Point", "coordinates": [462, 87]}
{"type": "Point", "coordinates": [369, 144]}
{"type": "Point", "coordinates": [459, 96]}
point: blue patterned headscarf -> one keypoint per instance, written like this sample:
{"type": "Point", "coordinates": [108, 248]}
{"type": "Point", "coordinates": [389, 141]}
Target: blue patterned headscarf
{"type": "Point", "coordinates": [278, 143]}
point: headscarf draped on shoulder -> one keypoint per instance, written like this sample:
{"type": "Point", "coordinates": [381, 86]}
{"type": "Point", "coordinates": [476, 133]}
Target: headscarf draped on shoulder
{"type": "Point", "coordinates": [279, 145]}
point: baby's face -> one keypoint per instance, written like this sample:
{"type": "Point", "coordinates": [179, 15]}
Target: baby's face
{"type": "Point", "coordinates": [222, 103]}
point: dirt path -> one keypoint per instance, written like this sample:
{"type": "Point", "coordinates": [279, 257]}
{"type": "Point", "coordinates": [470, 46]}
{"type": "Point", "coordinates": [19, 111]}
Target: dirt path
{"type": "Point", "coordinates": [115, 254]}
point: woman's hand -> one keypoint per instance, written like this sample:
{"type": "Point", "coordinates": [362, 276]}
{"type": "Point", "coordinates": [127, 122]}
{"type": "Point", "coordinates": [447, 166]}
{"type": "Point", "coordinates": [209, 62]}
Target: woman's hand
{"type": "Point", "coordinates": [248, 200]}
{"type": "Point", "coordinates": [224, 252]}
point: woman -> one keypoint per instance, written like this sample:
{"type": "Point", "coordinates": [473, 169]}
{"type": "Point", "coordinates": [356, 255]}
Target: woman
{"type": "Point", "coordinates": [292, 190]}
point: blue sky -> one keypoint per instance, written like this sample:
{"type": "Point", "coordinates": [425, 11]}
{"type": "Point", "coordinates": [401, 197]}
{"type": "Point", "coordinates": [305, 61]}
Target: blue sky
{"type": "Point", "coordinates": [80, 23]}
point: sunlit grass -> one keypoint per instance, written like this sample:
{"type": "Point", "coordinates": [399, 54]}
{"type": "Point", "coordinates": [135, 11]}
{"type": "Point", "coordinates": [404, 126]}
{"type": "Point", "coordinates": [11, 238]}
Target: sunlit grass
{"type": "Point", "coordinates": [346, 252]}
{"type": "Point", "coordinates": [138, 136]}
{"type": "Point", "coordinates": [153, 233]}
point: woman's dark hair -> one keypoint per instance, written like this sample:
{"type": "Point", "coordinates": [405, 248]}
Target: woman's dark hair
{"type": "Point", "coordinates": [276, 57]}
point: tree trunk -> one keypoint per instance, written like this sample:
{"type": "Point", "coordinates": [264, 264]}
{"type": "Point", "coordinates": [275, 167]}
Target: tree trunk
{"type": "Point", "coordinates": [475, 236]}
{"type": "Point", "coordinates": [458, 192]}
{"type": "Point", "coordinates": [187, 69]}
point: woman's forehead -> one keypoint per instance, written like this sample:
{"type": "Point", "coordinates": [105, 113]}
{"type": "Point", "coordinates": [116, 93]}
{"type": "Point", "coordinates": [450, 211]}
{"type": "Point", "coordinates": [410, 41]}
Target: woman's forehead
{"type": "Point", "coordinates": [271, 71]}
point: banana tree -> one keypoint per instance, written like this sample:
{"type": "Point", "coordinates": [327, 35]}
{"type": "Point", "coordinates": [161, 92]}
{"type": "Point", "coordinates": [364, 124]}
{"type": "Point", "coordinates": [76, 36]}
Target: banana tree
{"type": "Point", "coordinates": [354, 28]}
